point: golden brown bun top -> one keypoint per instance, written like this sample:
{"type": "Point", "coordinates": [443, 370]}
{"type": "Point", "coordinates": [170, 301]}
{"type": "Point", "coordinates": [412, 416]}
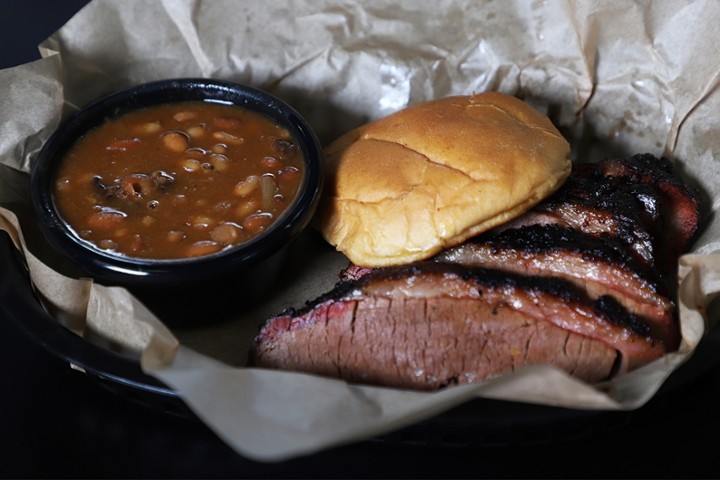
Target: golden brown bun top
{"type": "Point", "coordinates": [430, 176]}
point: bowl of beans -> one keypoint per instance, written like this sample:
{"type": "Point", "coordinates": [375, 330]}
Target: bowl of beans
{"type": "Point", "coordinates": [177, 181]}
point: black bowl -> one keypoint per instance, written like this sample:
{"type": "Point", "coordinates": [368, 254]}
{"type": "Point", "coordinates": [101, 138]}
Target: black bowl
{"type": "Point", "coordinates": [252, 265]}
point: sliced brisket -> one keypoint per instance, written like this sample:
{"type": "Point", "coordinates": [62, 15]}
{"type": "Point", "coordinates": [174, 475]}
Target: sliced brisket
{"type": "Point", "coordinates": [640, 201]}
{"type": "Point", "coordinates": [430, 325]}
{"type": "Point", "coordinates": [584, 281]}
{"type": "Point", "coordinates": [595, 206]}
{"type": "Point", "coordinates": [597, 264]}
{"type": "Point", "coordinates": [679, 200]}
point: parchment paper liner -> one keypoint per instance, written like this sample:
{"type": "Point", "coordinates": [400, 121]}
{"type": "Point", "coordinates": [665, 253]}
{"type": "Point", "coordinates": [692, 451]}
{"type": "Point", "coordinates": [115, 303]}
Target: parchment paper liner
{"type": "Point", "coordinates": [615, 83]}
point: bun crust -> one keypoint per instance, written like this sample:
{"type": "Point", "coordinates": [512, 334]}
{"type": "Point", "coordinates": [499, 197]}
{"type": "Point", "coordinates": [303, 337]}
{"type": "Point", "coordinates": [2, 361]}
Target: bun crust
{"type": "Point", "coordinates": [428, 177]}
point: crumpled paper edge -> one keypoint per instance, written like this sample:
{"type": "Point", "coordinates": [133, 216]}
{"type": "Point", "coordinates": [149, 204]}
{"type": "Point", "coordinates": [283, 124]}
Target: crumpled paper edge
{"type": "Point", "coordinates": [277, 435]}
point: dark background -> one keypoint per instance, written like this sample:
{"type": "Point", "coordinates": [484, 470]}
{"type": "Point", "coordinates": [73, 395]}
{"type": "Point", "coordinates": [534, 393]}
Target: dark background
{"type": "Point", "coordinates": [57, 422]}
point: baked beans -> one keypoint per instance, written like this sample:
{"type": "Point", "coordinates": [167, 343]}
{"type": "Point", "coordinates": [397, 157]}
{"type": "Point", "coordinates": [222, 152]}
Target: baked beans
{"type": "Point", "coordinates": [178, 180]}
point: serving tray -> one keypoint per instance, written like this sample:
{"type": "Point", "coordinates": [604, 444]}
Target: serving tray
{"type": "Point", "coordinates": [480, 422]}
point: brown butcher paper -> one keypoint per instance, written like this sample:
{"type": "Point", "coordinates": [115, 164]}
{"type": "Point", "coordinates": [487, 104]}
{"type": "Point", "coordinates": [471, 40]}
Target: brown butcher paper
{"type": "Point", "coordinates": [616, 77]}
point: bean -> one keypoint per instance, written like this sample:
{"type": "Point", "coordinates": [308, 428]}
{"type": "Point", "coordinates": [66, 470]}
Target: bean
{"type": "Point", "coordinates": [190, 165]}
{"type": "Point", "coordinates": [149, 128]}
{"type": "Point", "coordinates": [196, 131]}
{"type": "Point", "coordinates": [257, 222]}
{"type": "Point", "coordinates": [174, 236]}
{"type": "Point", "coordinates": [219, 161]}
{"type": "Point", "coordinates": [201, 222]}
{"type": "Point", "coordinates": [283, 132]}
{"type": "Point", "coordinates": [203, 247]}
{"type": "Point", "coordinates": [107, 244]}
{"type": "Point", "coordinates": [226, 233]}
{"type": "Point", "coordinates": [228, 137]}
{"type": "Point", "coordinates": [104, 220]}
{"type": "Point", "coordinates": [245, 187]}
{"type": "Point", "coordinates": [176, 141]}
{"type": "Point", "coordinates": [270, 164]}
{"type": "Point", "coordinates": [219, 148]}
{"type": "Point", "coordinates": [195, 152]}
{"type": "Point", "coordinates": [246, 208]}
{"type": "Point", "coordinates": [162, 179]}
{"type": "Point", "coordinates": [289, 175]}
{"type": "Point", "coordinates": [62, 184]}
{"type": "Point", "coordinates": [184, 116]}
{"type": "Point", "coordinates": [224, 123]}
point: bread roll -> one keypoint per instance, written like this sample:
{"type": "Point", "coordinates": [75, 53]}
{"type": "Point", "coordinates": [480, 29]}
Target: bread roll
{"type": "Point", "coordinates": [428, 177]}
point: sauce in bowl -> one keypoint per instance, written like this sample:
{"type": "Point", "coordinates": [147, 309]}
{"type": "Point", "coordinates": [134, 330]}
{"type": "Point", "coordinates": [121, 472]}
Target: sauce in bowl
{"type": "Point", "coordinates": [178, 180]}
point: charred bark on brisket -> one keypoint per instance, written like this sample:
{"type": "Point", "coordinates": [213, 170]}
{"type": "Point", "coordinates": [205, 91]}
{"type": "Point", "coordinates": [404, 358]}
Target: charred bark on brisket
{"type": "Point", "coordinates": [428, 325]}
{"type": "Point", "coordinates": [584, 281]}
{"type": "Point", "coordinates": [597, 264]}
{"type": "Point", "coordinates": [639, 201]}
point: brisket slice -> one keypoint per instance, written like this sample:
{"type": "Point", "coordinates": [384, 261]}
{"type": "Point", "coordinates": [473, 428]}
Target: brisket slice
{"type": "Point", "coordinates": [597, 264]}
{"type": "Point", "coordinates": [639, 200]}
{"type": "Point", "coordinates": [428, 325]}
{"type": "Point", "coordinates": [353, 272]}
{"type": "Point", "coordinates": [584, 281]}
{"type": "Point", "coordinates": [595, 206]}
{"type": "Point", "coordinates": [680, 201]}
